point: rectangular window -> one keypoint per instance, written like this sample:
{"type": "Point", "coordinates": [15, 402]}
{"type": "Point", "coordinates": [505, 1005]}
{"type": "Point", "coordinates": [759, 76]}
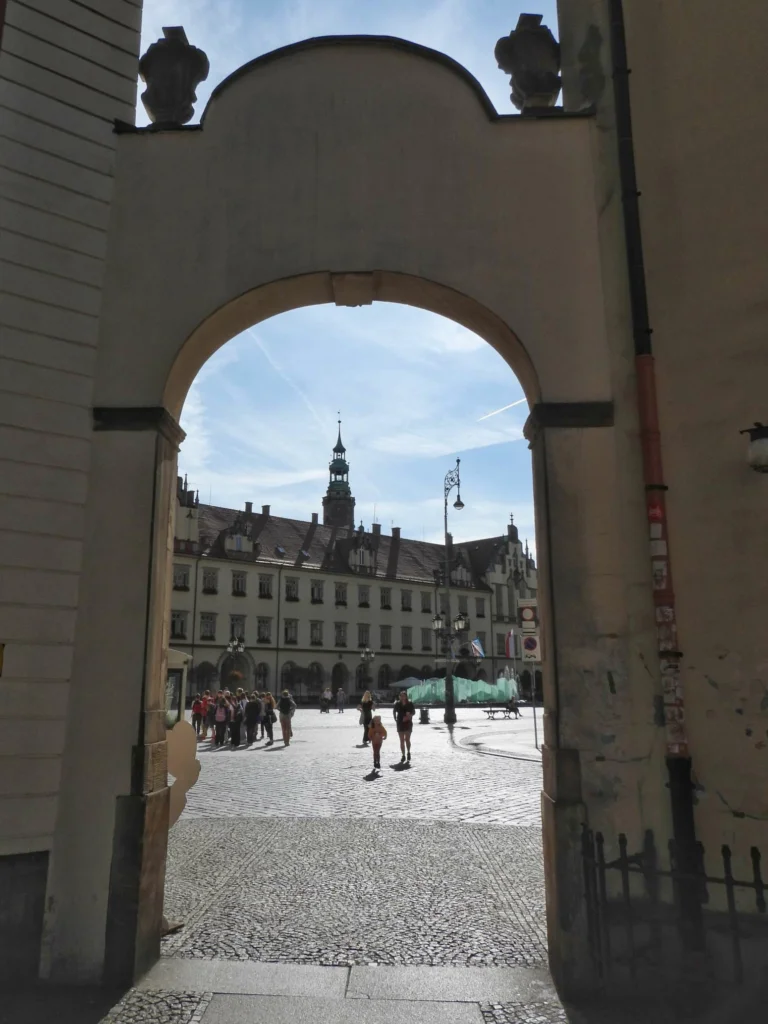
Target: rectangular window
{"type": "Point", "coordinates": [210, 581]}
{"type": "Point", "coordinates": [179, 625]}
{"type": "Point", "coordinates": [237, 626]}
{"type": "Point", "coordinates": [407, 637]}
{"type": "Point", "coordinates": [500, 600]}
{"type": "Point", "coordinates": [238, 584]}
{"type": "Point", "coordinates": [265, 586]}
{"type": "Point", "coordinates": [317, 591]}
{"type": "Point", "coordinates": [291, 631]}
{"type": "Point", "coordinates": [386, 637]}
{"type": "Point", "coordinates": [426, 638]}
{"type": "Point", "coordinates": [291, 588]}
{"type": "Point", "coordinates": [463, 604]}
{"type": "Point", "coordinates": [426, 601]}
{"type": "Point", "coordinates": [363, 596]}
{"type": "Point", "coordinates": [181, 577]}
{"type": "Point", "coordinates": [341, 594]}
{"type": "Point", "coordinates": [341, 634]}
{"type": "Point", "coordinates": [501, 645]}
{"type": "Point", "coordinates": [386, 598]}
{"type": "Point", "coordinates": [207, 625]}
{"type": "Point", "coordinates": [480, 607]}
{"type": "Point", "coordinates": [405, 600]}
{"type": "Point", "coordinates": [443, 604]}
{"type": "Point", "coordinates": [264, 631]}
{"type": "Point", "coordinates": [363, 634]}
{"type": "Point", "coordinates": [316, 634]}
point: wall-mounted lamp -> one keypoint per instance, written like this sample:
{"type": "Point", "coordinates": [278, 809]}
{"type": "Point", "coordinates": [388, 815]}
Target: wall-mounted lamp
{"type": "Point", "coordinates": [757, 451]}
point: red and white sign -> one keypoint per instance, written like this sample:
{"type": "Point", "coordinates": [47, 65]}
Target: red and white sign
{"type": "Point", "coordinates": [528, 614]}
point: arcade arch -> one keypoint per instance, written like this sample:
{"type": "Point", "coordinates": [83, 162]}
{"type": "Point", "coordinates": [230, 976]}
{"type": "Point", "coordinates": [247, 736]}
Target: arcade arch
{"type": "Point", "coordinates": [487, 220]}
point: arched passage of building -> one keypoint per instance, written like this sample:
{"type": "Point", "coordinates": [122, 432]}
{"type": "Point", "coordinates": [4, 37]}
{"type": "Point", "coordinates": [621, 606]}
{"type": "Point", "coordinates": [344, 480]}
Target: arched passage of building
{"type": "Point", "coordinates": [267, 207]}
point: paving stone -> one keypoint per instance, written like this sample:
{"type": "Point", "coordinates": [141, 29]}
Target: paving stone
{"type": "Point", "coordinates": [269, 1010]}
{"type": "Point", "coordinates": [345, 892]}
{"type": "Point", "coordinates": [159, 1007]}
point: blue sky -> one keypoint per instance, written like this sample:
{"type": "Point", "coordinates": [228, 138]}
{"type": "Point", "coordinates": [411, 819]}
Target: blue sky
{"type": "Point", "coordinates": [412, 387]}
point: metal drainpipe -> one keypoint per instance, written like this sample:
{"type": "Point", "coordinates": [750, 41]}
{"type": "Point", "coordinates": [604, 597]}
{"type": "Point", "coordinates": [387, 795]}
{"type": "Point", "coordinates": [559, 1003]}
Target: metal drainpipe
{"type": "Point", "coordinates": [678, 754]}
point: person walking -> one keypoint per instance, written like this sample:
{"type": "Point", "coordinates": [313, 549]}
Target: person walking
{"type": "Point", "coordinates": [253, 710]}
{"type": "Point", "coordinates": [221, 718]}
{"type": "Point", "coordinates": [210, 716]}
{"type": "Point", "coordinates": [365, 707]}
{"type": "Point", "coordinates": [341, 700]}
{"type": "Point", "coordinates": [236, 721]}
{"type": "Point", "coordinates": [377, 734]}
{"type": "Point", "coordinates": [269, 717]}
{"type": "Point", "coordinates": [197, 713]}
{"type": "Point", "coordinates": [404, 710]}
{"type": "Point", "coordinates": [286, 706]}
{"type": "Point", "coordinates": [325, 701]}
{"type": "Point", "coordinates": [207, 700]}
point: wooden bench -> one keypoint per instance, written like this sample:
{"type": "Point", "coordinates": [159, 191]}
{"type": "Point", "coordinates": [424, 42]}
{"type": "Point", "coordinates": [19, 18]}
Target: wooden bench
{"type": "Point", "coordinates": [498, 709]}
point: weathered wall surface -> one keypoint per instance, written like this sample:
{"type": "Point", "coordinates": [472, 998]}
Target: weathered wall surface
{"type": "Point", "coordinates": [700, 165]}
{"type": "Point", "coordinates": [66, 71]}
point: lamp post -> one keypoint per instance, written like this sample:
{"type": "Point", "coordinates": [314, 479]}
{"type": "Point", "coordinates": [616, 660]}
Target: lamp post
{"type": "Point", "coordinates": [452, 479]}
{"type": "Point", "coordinates": [236, 645]}
{"type": "Point", "coordinates": [449, 637]}
{"type": "Point", "coordinates": [366, 657]}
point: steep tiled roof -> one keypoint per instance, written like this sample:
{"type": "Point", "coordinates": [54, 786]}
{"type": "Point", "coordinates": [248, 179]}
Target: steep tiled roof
{"type": "Point", "coordinates": [324, 548]}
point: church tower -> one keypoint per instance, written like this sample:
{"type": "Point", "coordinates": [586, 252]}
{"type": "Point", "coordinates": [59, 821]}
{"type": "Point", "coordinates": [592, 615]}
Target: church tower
{"type": "Point", "coordinates": [338, 503]}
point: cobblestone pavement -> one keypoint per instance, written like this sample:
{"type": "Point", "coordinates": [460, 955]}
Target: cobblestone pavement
{"type": "Point", "coordinates": [345, 892]}
{"type": "Point", "coordinates": [140, 1007]}
{"type": "Point", "coordinates": [302, 855]}
{"type": "Point", "coordinates": [321, 775]}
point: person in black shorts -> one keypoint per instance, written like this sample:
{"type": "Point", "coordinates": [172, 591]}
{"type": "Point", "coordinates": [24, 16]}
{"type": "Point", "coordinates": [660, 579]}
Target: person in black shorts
{"type": "Point", "coordinates": [404, 711]}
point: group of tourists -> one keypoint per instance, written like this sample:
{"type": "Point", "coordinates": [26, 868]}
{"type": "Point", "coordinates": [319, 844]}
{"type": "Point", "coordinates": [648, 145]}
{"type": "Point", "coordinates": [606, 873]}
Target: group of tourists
{"type": "Point", "coordinates": [225, 715]}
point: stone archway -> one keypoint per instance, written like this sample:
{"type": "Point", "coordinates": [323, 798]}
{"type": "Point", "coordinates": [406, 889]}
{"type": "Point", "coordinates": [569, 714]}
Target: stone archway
{"type": "Point", "coordinates": [487, 220]}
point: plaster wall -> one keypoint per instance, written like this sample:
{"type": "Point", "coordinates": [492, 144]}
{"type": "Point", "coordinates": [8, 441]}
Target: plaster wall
{"type": "Point", "coordinates": [66, 71]}
{"type": "Point", "coordinates": [700, 166]}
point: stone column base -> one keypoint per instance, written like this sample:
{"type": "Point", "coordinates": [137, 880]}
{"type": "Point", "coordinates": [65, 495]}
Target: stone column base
{"type": "Point", "coordinates": [136, 884]}
{"type": "Point", "coordinates": [562, 817]}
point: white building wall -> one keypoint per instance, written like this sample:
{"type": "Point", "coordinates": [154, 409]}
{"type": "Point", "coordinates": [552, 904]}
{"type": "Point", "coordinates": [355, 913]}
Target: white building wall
{"type": "Point", "coordinates": [67, 70]}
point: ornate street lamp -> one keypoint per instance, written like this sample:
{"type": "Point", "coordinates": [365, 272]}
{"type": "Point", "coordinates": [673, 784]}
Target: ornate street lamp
{"type": "Point", "coordinates": [452, 479]}
{"type": "Point", "coordinates": [449, 638]}
{"type": "Point", "coordinates": [236, 645]}
{"type": "Point", "coordinates": [757, 450]}
{"type": "Point", "coordinates": [366, 657]}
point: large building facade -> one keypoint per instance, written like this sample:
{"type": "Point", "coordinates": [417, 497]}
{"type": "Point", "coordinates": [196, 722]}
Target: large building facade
{"type": "Point", "coordinates": [305, 597]}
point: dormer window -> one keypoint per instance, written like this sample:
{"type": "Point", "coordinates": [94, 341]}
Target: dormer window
{"type": "Point", "coordinates": [280, 550]}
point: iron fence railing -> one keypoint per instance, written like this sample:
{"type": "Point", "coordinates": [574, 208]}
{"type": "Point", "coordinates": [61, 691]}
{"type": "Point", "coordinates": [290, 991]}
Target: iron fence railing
{"type": "Point", "coordinates": [631, 926]}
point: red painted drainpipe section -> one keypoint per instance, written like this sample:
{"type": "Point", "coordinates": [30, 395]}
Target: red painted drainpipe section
{"type": "Point", "coordinates": [679, 766]}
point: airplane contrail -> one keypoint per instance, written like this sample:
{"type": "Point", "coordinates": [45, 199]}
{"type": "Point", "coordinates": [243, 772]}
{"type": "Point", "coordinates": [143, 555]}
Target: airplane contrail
{"type": "Point", "coordinates": [503, 409]}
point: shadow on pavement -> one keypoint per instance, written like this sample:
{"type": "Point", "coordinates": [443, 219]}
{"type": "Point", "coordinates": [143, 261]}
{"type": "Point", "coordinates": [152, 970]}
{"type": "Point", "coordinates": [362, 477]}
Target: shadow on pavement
{"type": "Point", "coordinates": [400, 767]}
{"type": "Point", "coordinates": [63, 1005]}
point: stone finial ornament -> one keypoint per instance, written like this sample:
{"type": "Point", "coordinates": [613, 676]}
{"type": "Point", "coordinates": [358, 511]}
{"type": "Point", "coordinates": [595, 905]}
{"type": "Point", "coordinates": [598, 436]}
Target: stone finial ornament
{"type": "Point", "coordinates": [531, 55]}
{"type": "Point", "coordinates": [172, 70]}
